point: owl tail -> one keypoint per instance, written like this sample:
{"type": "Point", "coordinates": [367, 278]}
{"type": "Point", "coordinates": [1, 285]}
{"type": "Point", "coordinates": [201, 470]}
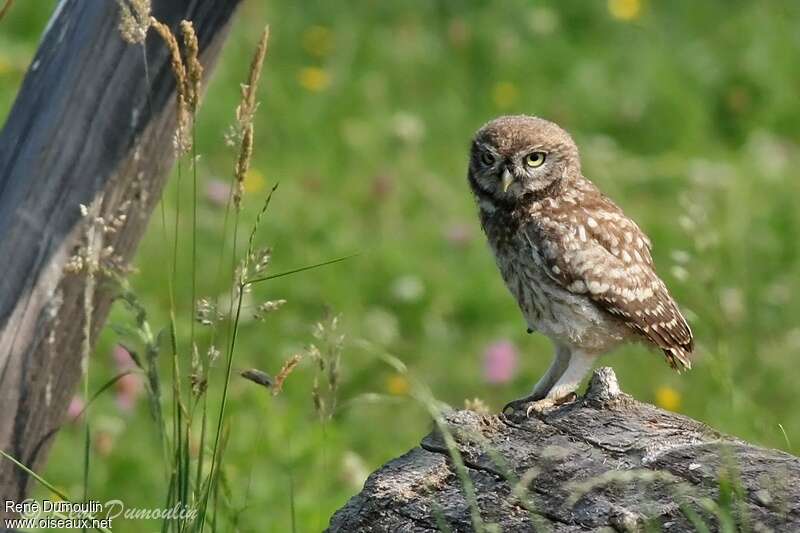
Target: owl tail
{"type": "Point", "coordinates": [678, 358]}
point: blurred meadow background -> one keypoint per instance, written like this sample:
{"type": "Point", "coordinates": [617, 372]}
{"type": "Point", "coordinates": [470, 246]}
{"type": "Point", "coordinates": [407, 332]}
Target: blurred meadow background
{"type": "Point", "coordinates": [686, 114]}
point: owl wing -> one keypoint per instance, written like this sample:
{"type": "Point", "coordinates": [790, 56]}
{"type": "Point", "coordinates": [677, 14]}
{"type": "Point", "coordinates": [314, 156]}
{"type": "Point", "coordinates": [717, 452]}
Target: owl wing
{"type": "Point", "coordinates": [602, 254]}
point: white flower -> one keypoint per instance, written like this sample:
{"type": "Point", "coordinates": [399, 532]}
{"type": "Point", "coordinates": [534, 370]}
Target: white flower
{"type": "Point", "coordinates": [408, 127]}
{"type": "Point", "coordinates": [408, 288]}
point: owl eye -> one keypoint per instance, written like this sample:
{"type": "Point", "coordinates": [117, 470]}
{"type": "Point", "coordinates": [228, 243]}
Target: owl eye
{"type": "Point", "coordinates": [487, 158]}
{"type": "Point", "coordinates": [535, 159]}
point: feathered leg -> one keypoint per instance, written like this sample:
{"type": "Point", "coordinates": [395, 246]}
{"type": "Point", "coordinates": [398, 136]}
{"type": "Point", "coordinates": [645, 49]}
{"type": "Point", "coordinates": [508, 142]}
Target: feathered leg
{"type": "Point", "coordinates": [564, 389]}
{"type": "Point", "coordinates": [540, 391]}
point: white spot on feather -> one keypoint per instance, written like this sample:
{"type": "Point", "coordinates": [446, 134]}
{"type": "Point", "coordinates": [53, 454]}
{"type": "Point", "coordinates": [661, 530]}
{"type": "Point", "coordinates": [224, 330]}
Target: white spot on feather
{"type": "Point", "coordinates": [577, 286]}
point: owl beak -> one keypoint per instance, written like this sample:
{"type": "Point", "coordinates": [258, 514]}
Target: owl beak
{"type": "Point", "coordinates": [507, 180]}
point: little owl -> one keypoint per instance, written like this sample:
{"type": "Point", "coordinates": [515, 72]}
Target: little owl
{"type": "Point", "coordinates": [580, 270]}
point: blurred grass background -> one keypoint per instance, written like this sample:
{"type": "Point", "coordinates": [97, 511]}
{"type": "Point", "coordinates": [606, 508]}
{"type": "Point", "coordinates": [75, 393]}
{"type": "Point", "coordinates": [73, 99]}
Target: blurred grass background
{"type": "Point", "coordinates": [686, 113]}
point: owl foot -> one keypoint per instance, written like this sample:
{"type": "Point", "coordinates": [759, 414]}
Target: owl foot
{"type": "Point", "coordinates": [533, 404]}
{"type": "Point", "coordinates": [542, 406]}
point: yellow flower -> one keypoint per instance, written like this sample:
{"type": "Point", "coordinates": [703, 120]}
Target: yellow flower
{"type": "Point", "coordinates": [505, 94]}
{"type": "Point", "coordinates": [318, 41]}
{"type": "Point", "coordinates": [313, 79]}
{"type": "Point", "coordinates": [397, 384]}
{"type": "Point", "coordinates": [253, 180]}
{"type": "Point", "coordinates": [625, 9]}
{"type": "Point", "coordinates": [668, 398]}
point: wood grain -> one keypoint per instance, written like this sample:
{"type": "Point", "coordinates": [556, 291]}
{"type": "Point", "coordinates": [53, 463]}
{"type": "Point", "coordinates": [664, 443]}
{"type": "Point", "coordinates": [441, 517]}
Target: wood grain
{"type": "Point", "coordinates": [84, 125]}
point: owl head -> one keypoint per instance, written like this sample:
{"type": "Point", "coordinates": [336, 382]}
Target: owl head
{"type": "Point", "coordinates": [519, 158]}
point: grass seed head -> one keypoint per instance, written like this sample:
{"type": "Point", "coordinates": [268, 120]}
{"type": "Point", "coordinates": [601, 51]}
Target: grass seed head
{"type": "Point", "coordinates": [243, 164]}
{"type": "Point", "coordinates": [206, 313]}
{"type": "Point", "coordinates": [247, 106]}
{"type": "Point", "coordinates": [260, 260]}
{"type": "Point", "coordinates": [270, 306]}
{"type": "Point", "coordinates": [134, 20]}
{"type": "Point", "coordinates": [194, 70]}
{"type": "Point", "coordinates": [182, 140]}
{"type": "Point", "coordinates": [288, 366]}
{"type": "Point", "coordinates": [243, 129]}
{"type": "Point", "coordinates": [213, 355]}
{"type": "Point", "coordinates": [176, 62]}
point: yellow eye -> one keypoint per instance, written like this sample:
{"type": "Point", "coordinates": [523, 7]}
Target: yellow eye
{"type": "Point", "coordinates": [487, 158]}
{"type": "Point", "coordinates": [535, 159]}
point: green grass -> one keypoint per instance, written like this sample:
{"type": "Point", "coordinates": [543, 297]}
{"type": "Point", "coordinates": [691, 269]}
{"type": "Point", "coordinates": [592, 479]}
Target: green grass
{"type": "Point", "coordinates": [687, 116]}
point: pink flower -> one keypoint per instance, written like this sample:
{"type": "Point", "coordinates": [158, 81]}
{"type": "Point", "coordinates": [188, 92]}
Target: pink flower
{"type": "Point", "coordinates": [76, 405]}
{"type": "Point", "coordinates": [218, 192]}
{"type": "Point", "coordinates": [130, 386]}
{"type": "Point", "coordinates": [459, 234]}
{"type": "Point", "coordinates": [122, 358]}
{"type": "Point", "coordinates": [500, 362]}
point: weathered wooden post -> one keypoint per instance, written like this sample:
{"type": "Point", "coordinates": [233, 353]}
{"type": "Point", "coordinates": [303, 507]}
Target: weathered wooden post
{"type": "Point", "coordinates": [85, 125]}
{"type": "Point", "coordinates": [603, 463]}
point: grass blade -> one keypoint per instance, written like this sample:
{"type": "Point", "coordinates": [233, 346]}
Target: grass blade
{"type": "Point", "coordinates": [301, 269]}
{"type": "Point", "coordinates": [43, 482]}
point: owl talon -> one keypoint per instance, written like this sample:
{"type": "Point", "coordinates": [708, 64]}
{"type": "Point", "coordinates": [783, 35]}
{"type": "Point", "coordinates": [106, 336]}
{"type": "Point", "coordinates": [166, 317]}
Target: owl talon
{"type": "Point", "coordinates": [538, 406]}
{"type": "Point", "coordinates": [542, 406]}
{"type": "Point", "coordinates": [516, 405]}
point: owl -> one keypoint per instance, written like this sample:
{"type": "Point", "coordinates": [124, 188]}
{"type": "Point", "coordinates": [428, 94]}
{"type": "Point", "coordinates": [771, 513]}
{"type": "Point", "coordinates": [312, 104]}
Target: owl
{"type": "Point", "coordinates": [580, 270]}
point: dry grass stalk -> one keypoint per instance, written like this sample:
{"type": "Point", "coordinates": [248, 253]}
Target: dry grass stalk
{"type": "Point", "coordinates": [268, 382]}
{"type": "Point", "coordinates": [183, 137]}
{"type": "Point", "coordinates": [243, 164]}
{"type": "Point", "coordinates": [183, 140]}
{"type": "Point", "coordinates": [244, 118]}
{"type": "Point", "coordinates": [247, 106]}
{"type": "Point", "coordinates": [286, 369]}
{"type": "Point", "coordinates": [194, 70]}
{"type": "Point", "coordinates": [93, 250]}
{"type": "Point", "coordinates": [327, 355]}
{"type": "Point", "coordinates": [134, 20]}
{"type": "Point", "coordinates": [197, 377]}
{"type": "Point", "coordinates": [178, 69]}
